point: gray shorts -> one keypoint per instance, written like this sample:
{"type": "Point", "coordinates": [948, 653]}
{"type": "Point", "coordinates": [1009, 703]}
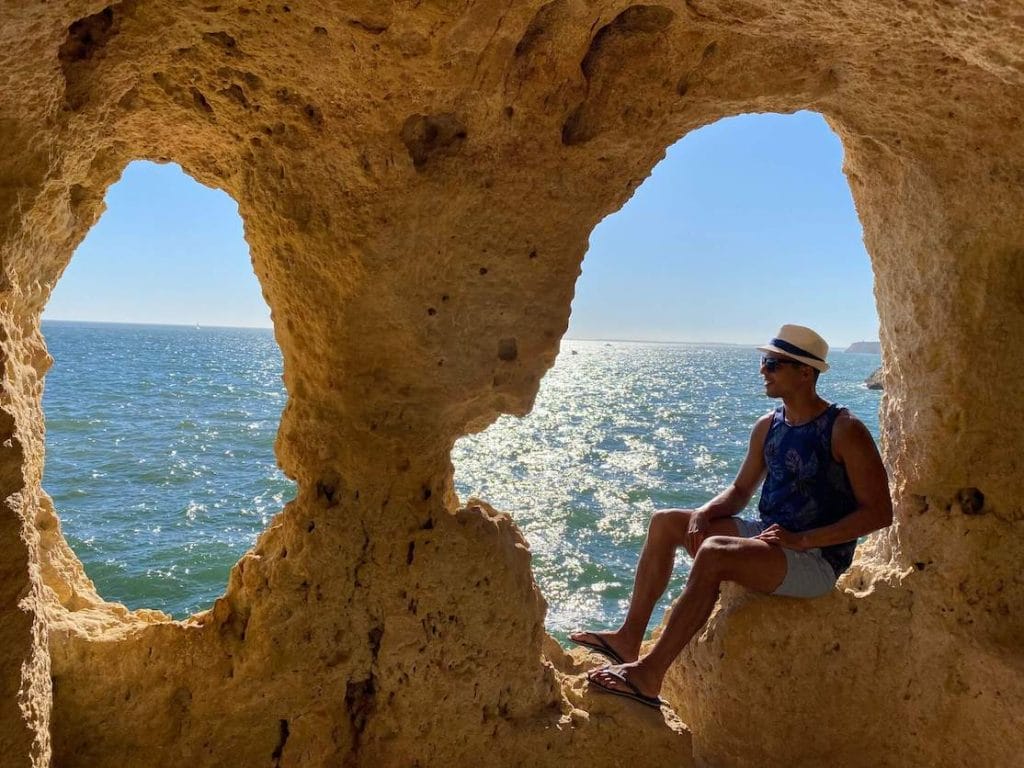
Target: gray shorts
{"type": "Point", "coordinates": [808, 574]}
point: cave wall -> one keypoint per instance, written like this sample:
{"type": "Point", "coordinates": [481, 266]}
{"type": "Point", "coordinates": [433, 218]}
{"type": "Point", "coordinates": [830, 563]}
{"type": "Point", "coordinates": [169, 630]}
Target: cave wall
{"type": "Point", "coordinates": [418, 182]}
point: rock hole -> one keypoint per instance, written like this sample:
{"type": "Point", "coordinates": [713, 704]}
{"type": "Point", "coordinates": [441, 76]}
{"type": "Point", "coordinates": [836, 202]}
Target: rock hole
{"type": "Point", "coordinates": [148, 420]}
{"type": "Point", "coordinates": [971, 501]}
{"type": "Point", "coordinates": [368, 26]}
{"type": "Point", "coordinates": [427, 137]}
{"type": "Point", "coordinates": [326, 490]}
{"type": "Point", "coordinates": [221, 39]}
{"type": "Point", "coordinates": [235, 93]}
{"type": "Point", "coordinates": [537, 30]}
{"type": "Point", "coordinates": [85, 41]}
{"type": "Point", "coordinates": [359, 697]}
{"type": "Point", "coordinates": [87, 36]}
{"type": "Point", "coordinates": [254, 81]}
{"type": "Point", "coordinates": [576, 129]}
{"type": "Point", "coordinates": [375, 635]}
{"type": "Point", "coordinates": [636, 20]}
{"type": "Point", "coordinates": [162, 80]}
{"type": "Point", "coordinates": [200, 100]}
{"type": "Point", "coordinates": [282, 739]}
{"type": "Point", "coordinates": [507, 350]}
{"type": "Point", "coordinates": [511, 443]}
{"type": "Point", "coordinates": [313, 114]}
{"type": "Point", "coordinates": [610, 45]}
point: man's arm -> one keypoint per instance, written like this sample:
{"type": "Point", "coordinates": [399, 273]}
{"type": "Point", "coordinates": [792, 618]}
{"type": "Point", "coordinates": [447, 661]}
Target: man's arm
{"type": "Point", "coordinates": [735, 497]}
{"type": "Point", "coordinates": [856, 449]}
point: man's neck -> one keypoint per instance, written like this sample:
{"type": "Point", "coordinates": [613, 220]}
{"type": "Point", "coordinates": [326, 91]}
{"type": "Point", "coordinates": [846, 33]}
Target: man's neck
{"type": "Point", "coordinates": [803, 407]}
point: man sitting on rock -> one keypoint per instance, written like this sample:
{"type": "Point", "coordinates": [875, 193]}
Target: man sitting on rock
{"type": "Point", "coordinates": [824, 486]}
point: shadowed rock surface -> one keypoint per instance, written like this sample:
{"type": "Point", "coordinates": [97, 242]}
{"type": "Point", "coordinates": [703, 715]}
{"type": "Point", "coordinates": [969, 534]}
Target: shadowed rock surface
{"type": "Point", "coordinates": [389, 159]}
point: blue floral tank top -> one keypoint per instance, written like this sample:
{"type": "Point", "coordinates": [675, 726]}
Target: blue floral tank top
{"type": "Point", "coordinates": [806, 487]}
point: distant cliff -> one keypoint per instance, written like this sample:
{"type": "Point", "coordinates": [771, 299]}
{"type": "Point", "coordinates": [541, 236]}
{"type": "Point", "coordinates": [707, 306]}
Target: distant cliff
{"type": "Point", "coordinates": [865, 347]}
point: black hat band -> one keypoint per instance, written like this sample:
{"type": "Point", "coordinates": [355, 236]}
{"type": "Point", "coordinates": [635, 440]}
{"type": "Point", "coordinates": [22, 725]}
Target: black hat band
{"type": "Point", "coordinates": [793, 349]}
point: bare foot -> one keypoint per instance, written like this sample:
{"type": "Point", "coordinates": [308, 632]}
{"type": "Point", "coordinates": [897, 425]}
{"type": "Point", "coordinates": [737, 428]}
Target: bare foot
{"type": "Point", "coordinates": [611, 645]}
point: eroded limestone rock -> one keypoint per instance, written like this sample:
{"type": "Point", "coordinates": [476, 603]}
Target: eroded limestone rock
{"type": "Point", "coordinates": [418, 183]}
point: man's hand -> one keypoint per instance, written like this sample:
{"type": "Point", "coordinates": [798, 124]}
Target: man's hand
{"type": "Point", "coordinates": [697, 531]}
{"type": "Point", "coordinates": [780, 537]}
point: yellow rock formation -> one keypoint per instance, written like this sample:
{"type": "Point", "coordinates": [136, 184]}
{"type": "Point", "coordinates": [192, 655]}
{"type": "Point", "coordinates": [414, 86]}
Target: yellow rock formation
{"type": "Point", "coordinates": [418, 181]}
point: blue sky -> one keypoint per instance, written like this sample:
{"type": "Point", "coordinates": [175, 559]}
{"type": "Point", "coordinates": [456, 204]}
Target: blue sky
{"type": "Point", "coordinates": [167, 250]}
{"type": "Point", "coordinates": [745, 225]}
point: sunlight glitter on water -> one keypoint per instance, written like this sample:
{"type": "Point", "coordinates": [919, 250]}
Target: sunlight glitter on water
{"type": "Point", "coordinates": [620, 430]}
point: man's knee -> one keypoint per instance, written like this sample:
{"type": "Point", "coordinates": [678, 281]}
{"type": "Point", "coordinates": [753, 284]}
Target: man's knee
{"type": "Point", "coordinates": [714, 556]}
{"type": "Point", "coordinates": [729, 558]}
{"type": "Point", "coordinates": [669, 526]}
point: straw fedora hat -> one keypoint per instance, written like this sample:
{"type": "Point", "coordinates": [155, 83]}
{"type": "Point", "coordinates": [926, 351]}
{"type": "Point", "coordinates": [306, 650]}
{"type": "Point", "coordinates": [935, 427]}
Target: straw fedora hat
{"type": "Point", "coordinates": [801, 344]}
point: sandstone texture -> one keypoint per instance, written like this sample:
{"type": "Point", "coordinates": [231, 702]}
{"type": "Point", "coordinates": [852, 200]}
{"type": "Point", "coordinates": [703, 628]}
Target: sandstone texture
{"type": "Point", "coordinates": [418, 181]}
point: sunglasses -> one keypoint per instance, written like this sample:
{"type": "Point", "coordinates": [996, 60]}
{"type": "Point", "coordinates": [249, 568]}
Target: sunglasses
{"type": "Point", "coordinates": [771, 363]}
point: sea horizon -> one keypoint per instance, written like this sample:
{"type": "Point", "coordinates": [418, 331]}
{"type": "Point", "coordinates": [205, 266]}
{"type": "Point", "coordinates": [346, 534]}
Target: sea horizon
{"type": "Point", "coordinates": [837, 347]}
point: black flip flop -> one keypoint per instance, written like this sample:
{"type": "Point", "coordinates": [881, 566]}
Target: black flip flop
{"type": "Point", "coordinates": [601, 647]}
{"type": "Point", "coordinates": [633, 693]}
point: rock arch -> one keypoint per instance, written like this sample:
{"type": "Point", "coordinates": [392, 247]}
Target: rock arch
{"type": "Point", "coordinates": [386, 156]}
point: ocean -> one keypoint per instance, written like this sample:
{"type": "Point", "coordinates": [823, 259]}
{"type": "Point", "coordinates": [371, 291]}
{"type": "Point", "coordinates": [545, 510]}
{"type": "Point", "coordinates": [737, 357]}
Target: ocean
{"type": "Point", "coordinates": [159, 456]}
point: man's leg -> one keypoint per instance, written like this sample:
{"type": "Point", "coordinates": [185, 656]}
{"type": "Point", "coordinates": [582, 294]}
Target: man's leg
{"type": "Point", "coordinates": [752, 563]}
{"type": "Point", "coordinates": [665, 534]}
